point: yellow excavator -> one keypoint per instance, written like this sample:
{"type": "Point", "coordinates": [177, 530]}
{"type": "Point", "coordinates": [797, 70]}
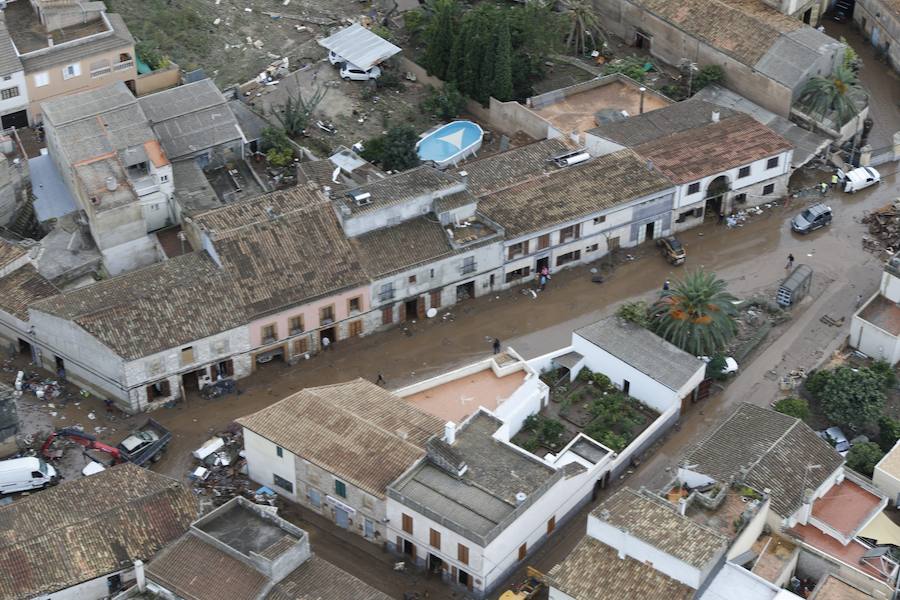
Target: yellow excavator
{"type": "Point", "coordinates": [534, 583]}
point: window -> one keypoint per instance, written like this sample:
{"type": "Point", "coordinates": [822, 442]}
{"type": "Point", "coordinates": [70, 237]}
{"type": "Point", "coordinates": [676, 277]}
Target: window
{"type": "Point", "coordinates": [570, 233]}
{"type": "Point", "coordinates": [387, 292]}
{"type": "Point", "coordinates": [523, 551]}
{"type": "Point", "coordinates": [315, 498]}
{"type": "Point", "coordinates": [768, 189]}
{"type": "Point", "coordinates": [520, 249]}
{"type": "Point", "coordinates": [600, 219]}
{"type": "Point", "coordinates": [435, 298]}
{"type": "Point", "coordinates": [432, 273]}
{"type": "Point", "coordinates": [407, 523]}
{"type": "Point", "coordinates": [340, 488]}
{"type": "Point", "coordinates": [72, 70]}
{"type": "Point", "coordinates": [744, 172]}
{"type": "Point", "coordinates": [551, 524]}
{"type": "Point", "coordinates": [434, 538]}
{"type": "Point", "coordinates": [9, 93]}
{"type": "Point", "coordinates": [354, 305]}
{"type": "Point", "coordinates": [592, 248]}
{"type": "Point", "coordinates": [295, 324]}
{"type": "Point", "coordinates": [301, 346]}
{"type": "Point", "coordinates": [283, 483]}
{"type": "Point", "coordinates": [682, 217]}
{"type": "Point", "coordinates": [41, 79]}
{"type": "Point", "coordinates": [468, 265]}
{"type": "Point", "coordinates": [462, 554]}
{"type": "Point", "coordinates": [518, 274]}
{"type": "Point", "coordinates": [279, 451]}
{"type": "Point", "coordinates": [544, 241]}
{"type": "Point", "coordinates": [772, 162]}
{"type": "Point", "coordinates": [412, 279]}
{"type": "Point", "coordinates": [187, 355]}
{"type": "Point", "coordinates": [693, 188]}
{"type": "Point", "coordinates": [164, 178]}
{"type": "Point", "coordinates": [160, 389]}
{"type": "Point", "coordinates": [326, 315]}
{"type": "Point", "coordinates": [354, 329]}
{"type": "Point", "coordinates": [568, 257]}
{"type": "Point", "coordinates": [740, 198]}
{"type": "Point", "coordinates": [269, 333]}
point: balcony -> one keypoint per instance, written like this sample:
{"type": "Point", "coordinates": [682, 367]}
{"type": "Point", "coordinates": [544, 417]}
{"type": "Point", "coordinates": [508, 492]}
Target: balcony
{"type": "Point", "coordinates": [468, 268]}
{"type": "Point", "coordinates": [122, 66]}
{"type": "Point", "coordinates": [386, 295]}
{"type": "Point", "coordinates": [100, 72]}
{"type": "Point", "coordinates": [269, 339]}
{"type": "Point", "coordinates": [296, 331]}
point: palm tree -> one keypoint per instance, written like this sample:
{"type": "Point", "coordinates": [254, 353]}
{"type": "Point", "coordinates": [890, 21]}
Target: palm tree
{"type": "Point", "coordinates": [583, 23]}
{"type": "Point", "coordinates": [839, 94]}
{"type": "Point", "coordinates": [696, 314]}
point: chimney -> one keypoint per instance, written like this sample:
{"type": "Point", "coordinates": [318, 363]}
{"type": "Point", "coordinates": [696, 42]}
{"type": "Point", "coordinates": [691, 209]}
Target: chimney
{"type": "Point", "coordinates": [140, 581]}
{"type": "Point", "coordinates": [520, 498]}
{"type": "Point", "coordinates": [464, 177]}
{"type": "Point", "coordinates": [715, 116]}
{"type": "Point", "coordinates": [49, 41]}
{"type": "Point", "coordinates": [682, 506]}
{"type": "Point", "coordinates": [649, 165]}
{"type": "Point", "coordinates": [450, 432]}
{"type": "Point", "coordinates": [111, 184]}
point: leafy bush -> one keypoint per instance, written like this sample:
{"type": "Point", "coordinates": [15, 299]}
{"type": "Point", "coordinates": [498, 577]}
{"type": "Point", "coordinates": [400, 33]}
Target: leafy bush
{"type": "Point", "coordinates": [854, 398]}
{"type": "Point", "coordinates": [414, 22]}
{"type": "Point", "coordinates": [551, 431]}
{"type": "Point", "coordinates": [888, 432]}
{"type": "Point", "coordinates": [715, 368]}
{"type": "Point", "coordinates": [531, 423]}
{"type": "Point", "coordinates": [602, 382]}
{"type": "Point", "coordinates": [151, 55]}
{"type": "Point", "coordinates": [280, 157]}
{"type": "Point", "coordinates": [394, 151]}
{"type": "Point", "coordinates": [816, 381]}
{"type": "Point", "coordinates": [886, 371]}
{"type": "Point", "coordinates": [613, 440]}
{"type": "Point", "coordinates": [674, 91]}
{"type": "Point", "coordinates": [794, 407]}
{"type": "Point", "coordinates": [707, 75]}
{"type": "Point", "coordinates": [585, 375]}
{"type": "Point", "coordinates": [862, 458]}
{"type": "Point", "coordinates": [636, 312]}
{"type": "Point", "coordinates": [272, 137]}
{"type": "Point", "coordinates": [445, 104]}
{"type": "Point", "coordinates": [383, 32]}
{"type": "Point", "coordinates": [389, 80]}
{"type": "Point", "coordinates": [631, 66]}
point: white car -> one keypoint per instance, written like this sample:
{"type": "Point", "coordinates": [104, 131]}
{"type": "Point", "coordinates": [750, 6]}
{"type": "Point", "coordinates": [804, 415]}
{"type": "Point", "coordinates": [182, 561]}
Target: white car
{"type": "Point", "coordinates": [858, 179]}
{"type": "Point", "coordinates": [334, 58]}
{"type": "Point", "coordinates": [350, 71]}
{"type": "Point", "coordinates": [731, 365]}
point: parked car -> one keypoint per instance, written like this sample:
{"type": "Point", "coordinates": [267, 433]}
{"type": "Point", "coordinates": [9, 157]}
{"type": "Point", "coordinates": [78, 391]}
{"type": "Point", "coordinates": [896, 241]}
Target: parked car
{"type": "Point", "coordinates": [858, 179]}
{"type": "Point", "coordinates": [351, 71]}
{"type": "Point", "coordinates": [836, 437]}
{"type": "Point", "coordinates": [731, 365]}
{"type": "Point", "coordinates": [817, 215]}
{"type": "Point", "coordinates": [334, 58]}
{"type": "Point", "coordinates": [672, 250]}
{"type": "Point", "coordinates": [23, 474]}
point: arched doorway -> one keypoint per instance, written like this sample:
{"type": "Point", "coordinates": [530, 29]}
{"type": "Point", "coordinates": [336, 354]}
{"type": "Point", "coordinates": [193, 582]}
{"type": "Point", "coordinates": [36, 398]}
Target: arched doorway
{"type": "Point", "coordinates": [715, 197]}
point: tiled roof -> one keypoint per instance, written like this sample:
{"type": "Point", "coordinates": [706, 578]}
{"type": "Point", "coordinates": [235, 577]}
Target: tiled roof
{"type": "Point", "coordinates": [643, 350]}
{"type": "Point", "coordinates": [9, 59]}
{"type": "Point", "coordinates": [573, 193]}
{"type": "Point", "coordinates": [318, 579]}
{"type": "Point", "coordinates": [392, 249]}
{"type": "Point", "coordinates": [281, 249]}
{"type": "Point", "coordinates": [832, 587]}
{"type": "Point", "coordinates": [743, 29]}
{"type": "Point", "coordinates": [689, 155]}
{"type": "Point", "coordinates": [10, 252]}
{"type": "Point", "coordinates": [198, 570]}
{"type": "Point", "coordinates": [399, 188]}
{"type": "Point", "coordinates": [657, 523]}
{"type": "Point", "coordinates": [776, 451]}
{"type": "Point", "coordinates": [594, 571]}
{"type": "Point", "coordinates": [119, 38]}
{"type": "Point", "coordinates": [499, 171]}
{"type": "Point", "coordinates": [356, 430]}
{"type": "Point", "coordinates": [681, 116]}
{"type": "Point", "coordinates": [88, 528]}
{"type": "Point", "coordinates": [21, 288]}
{"type": "Point", "coordinates": [162, 306]}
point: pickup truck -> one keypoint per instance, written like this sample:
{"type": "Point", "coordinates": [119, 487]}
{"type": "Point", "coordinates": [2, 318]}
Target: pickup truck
{"type": "Point", "coordinates": [145, 443]}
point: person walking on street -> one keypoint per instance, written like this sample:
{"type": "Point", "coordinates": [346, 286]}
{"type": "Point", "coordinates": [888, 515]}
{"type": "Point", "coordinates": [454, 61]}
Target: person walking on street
{"type": "Point", "coordinates": [496, 346]}
{"type": "Point", "coordinates": [666, 285]}
{"type": "Point", "coordinates": [823, 188]}
{"type": "Point", "coordinates": [834, 181]}
{"type": "Point", "coordinates": [790, 262]}
{"type": "Point", "coordinates": [380, 381]}
{"type": "Point", "coordinates": [544, 277]}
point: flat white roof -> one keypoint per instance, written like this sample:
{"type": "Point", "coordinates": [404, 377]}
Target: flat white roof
{"type": "Point", "coordinates": [359, 46]}
{"type": "Point", "coordinates": [890, 462]}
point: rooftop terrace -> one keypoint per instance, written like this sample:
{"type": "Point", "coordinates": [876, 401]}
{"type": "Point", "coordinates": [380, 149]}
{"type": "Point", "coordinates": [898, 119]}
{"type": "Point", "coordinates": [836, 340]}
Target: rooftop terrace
{"type": "Point", "coordinates": [773, 556]}
{"type": "Point", "coordinates": [29, 34]}
{"type": "Point", "coordinates": [847, 507]}
{"type": "Point", "coordinates": [247, 532]}
{"type": "Point", "coordinates": [882, 313]}
{"type": "Point", "coordinates": [851, 554]}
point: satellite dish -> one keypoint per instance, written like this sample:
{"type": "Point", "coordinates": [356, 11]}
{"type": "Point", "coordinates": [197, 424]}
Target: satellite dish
{"type": "Point", "coordinates": [431, 313]}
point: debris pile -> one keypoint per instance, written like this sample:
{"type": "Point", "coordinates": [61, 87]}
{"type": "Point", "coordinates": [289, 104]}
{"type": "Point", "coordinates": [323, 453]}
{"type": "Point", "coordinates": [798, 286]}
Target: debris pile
{"type": "Point", "coordinates": [884, 227]}
{"type": "Point", "coordinates": [221, 470]}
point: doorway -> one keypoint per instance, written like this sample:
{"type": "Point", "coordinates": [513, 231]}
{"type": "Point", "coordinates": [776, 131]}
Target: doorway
{"type": "Point", "coordinates": [341, 517]}
{"type": "Point", "coordinates": [641, 40]}
{"type": "Point", "coordinates": [465, 579]}
{"type": "Point", "coordinates": [329, 333]}
{"type": "Point", "coordinates": [60, 364]}
{"type": "Point", "coordinates": [435, 564]}
{"type": "Point", "coordinates": [648, 230]}
{"type": "Point", "coordinates": [715, 195]}
{"type": "Point", "coordinates": [807, 16]}
{"type": "Point", "coordinates": [626, 386]}
{"type": "Point", "coordinates": [19, 120]}
{"type": "Point", "coordinates": [409, 549]}
{"type": "Point", "coordinates": [541, 264]}
{"type": "Point", "coordinates": [191, 381]}
{"type": "Point", "coordinates": [369, 529]}
{"type": "Point", "coordinates": [412, 309]}
{"type": "Point", "coordinates": [225, 368]}
{"type": "Point", "coordinates": [465, 291]}
{"type": "Point", "coordinates": [24, 347]}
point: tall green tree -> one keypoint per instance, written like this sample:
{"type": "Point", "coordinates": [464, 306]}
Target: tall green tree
{"type": "Point", "coordinates": [584, 25]}
{"type": "Point", "coordinates": [838, 96]}
{"type": "Point", "coordinates": [853, 398]}
{"type": "Point", "coordinates": [696, 314]}
{"type": "Point", "coordinates": [395, 150]}
{"type": "Point", "coordinates": [862, 458]}
{"type": "Point", "coordinates": [440, 36]}
{"type": "Point", "coordinates": [503, 75]}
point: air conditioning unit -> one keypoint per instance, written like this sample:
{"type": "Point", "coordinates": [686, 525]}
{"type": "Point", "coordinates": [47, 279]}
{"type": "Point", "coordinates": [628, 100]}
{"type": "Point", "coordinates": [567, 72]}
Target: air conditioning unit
{"type": "Point", "coordinates": [568, 160]}
{"type": "Point", "coordinates": [361, 198]}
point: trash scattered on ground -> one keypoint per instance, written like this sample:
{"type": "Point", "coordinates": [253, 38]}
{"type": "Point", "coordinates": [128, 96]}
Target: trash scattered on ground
{"type": "Point", "coordinates": [884, 227]}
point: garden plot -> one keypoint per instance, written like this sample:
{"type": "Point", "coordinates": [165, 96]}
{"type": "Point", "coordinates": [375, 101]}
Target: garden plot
{"type": "Point", "coordinates": [589, 405]}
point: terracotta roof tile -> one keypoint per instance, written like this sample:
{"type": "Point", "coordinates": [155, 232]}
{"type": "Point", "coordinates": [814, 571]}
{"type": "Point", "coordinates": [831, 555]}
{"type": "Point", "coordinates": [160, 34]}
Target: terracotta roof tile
{"type": "Point", "coordinates": [21, 288]}
{"type": "Point", "coordinates": [392, 249]}
{"type": "Point", "coordinates": [88, 528]}
{"type": "Point", "coordinates": [317, 579]}
{"type": "Point", "coordinates": [356, 430]}
{"type": "Point", "coordinates": [690, 155]}
{"type": "Point", "coordinates": [9, 252]}
{"type": "Point", "coordinates": [499, 171]}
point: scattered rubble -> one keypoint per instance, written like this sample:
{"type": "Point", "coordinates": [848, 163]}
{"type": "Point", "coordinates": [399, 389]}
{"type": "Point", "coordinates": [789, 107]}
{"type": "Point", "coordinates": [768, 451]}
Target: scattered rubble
{"type": "Point", "coordinates": [220, 472]}
{"type": "Point", "coordinates": [884, 226]}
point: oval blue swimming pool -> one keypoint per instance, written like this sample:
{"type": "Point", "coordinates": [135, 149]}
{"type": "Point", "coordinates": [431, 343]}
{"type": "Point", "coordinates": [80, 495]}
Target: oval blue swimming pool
{"type": "Point", "coordinates": [450, 143]}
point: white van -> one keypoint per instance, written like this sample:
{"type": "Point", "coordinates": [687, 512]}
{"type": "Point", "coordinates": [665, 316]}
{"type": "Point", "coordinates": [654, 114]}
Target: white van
{"type": "Point", "coordinates": [857, 179]}
{"type": "Point", "coordinates": [23, 474]}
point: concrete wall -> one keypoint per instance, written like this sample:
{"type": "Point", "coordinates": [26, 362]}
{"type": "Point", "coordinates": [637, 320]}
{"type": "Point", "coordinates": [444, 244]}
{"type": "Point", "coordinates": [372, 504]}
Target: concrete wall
{"type": "Point", "coordinates": [814, 564]}
{"type": "Point", "coordinates": [392, 214]}
{"type": "Point", "coordinates": [94, 589]}
{"type": "Point", "coordinates": [874, 341]}
{"type": "Point", "coordinates": [885, 481]}
{"type": "Point", "coordinates": [751, 532]}
{"type": "Point", "coordinates": [890, 287]}
{"type": "Point", "coordinates": [881, 24]}
{"type": "Point", "coordinates": [159, 80]}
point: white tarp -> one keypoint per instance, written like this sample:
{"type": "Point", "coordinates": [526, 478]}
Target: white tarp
{"type": "Point", "coordinates": [359, 46]}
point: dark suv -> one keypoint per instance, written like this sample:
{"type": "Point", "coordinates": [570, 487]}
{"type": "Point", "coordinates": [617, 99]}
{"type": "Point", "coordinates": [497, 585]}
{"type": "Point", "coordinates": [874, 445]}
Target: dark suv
{"type": "Point", "coordinates": [817, 215]}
